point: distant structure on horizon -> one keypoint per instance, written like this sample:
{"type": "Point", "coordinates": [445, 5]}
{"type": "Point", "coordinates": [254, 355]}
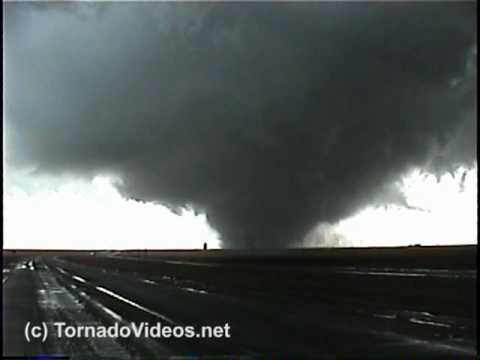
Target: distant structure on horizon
{"type": "Point", "coordinates": [205, 245]}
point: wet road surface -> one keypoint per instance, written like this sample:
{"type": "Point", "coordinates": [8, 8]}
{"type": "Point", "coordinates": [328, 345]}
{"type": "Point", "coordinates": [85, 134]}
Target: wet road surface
{"type": "Point", "coordinates": [306, 312]}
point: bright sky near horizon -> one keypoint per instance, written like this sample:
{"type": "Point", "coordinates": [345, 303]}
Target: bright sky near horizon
{"type": "Point", "coordinates": [446, 213]}
{"type": "Point", "coordinates": [66, 213]}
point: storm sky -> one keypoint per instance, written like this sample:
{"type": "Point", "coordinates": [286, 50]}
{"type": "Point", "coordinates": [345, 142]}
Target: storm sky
{"type": "Point", "coordinates": [270, 118]}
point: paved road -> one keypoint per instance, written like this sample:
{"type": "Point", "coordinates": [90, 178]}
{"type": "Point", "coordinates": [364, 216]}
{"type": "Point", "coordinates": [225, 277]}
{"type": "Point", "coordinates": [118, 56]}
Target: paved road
{"type": "Point", "coordinates": [77, 292]}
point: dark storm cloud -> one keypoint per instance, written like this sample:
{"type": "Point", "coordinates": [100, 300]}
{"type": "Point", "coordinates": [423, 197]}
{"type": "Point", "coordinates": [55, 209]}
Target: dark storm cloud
{"type": "Point", "coordinates": [271, 117]}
